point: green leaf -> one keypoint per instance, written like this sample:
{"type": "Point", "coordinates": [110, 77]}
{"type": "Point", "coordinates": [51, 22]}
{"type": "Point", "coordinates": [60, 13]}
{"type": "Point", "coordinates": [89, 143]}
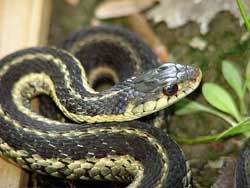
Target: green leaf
{"type": "Point", "coordinates": [241, 127]}
{"type": "Point", "coordinates": [220, 99]}
{"type": "Point", "coordinates": [185, 106]}
{"type": "Point", "coordinates": [233, 77]}
{"type": "Point", "coordinates": [248, 70]}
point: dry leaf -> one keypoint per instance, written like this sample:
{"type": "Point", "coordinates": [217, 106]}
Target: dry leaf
{"type": "Point", "coordinates": [177, 13]}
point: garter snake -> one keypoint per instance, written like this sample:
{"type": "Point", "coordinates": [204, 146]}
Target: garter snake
{"type": "Point", "coordinates": [105, 143]}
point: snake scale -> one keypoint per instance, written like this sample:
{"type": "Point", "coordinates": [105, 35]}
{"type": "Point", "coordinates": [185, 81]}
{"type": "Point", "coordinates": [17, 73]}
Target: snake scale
{"type": "Point", "coordinates": [106, 142]}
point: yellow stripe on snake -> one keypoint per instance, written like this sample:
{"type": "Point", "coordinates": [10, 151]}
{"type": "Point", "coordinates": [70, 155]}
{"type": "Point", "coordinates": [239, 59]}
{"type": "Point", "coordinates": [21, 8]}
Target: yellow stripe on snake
{"type": "Point", "coordinates": [105, 143]}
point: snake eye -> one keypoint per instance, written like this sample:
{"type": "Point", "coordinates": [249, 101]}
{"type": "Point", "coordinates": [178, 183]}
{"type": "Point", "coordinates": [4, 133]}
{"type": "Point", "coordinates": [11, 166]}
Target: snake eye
{"type": "Point", "coordinates": [170, 90]}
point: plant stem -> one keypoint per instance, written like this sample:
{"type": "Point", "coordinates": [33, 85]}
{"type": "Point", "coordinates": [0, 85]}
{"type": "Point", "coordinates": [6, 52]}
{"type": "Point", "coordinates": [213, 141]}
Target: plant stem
{"type": "Point", "coordinates": [201, 139]}
{"type": "Point", "coordinates": [243, 14]}
{"type": "Point", "coordinates": [243, 107]}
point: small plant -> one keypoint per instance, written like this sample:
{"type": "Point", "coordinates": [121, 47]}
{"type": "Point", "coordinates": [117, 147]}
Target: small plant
{"type": "Point", "coordinates": [222, 104]}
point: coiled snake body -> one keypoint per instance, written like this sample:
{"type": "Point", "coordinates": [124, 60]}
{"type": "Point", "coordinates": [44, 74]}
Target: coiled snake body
{"type": "Point", "coordinates": [104, 144]}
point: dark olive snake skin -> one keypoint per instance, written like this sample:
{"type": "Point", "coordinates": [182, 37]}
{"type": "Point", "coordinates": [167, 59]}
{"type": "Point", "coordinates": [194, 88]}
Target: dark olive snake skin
{"type": "Point", "coordinates": [110, 146]}
{"type": "Point", "coordinates": [242, 171]}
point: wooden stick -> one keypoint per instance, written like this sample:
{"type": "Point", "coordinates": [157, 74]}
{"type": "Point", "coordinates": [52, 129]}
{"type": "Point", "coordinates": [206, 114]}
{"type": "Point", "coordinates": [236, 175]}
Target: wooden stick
{"type": "Point", "coordinates": [139, 24]}
{"type": "Point", "coordinates": [23, 24]}
{"type": "Point", "coordinates": [12, 176]}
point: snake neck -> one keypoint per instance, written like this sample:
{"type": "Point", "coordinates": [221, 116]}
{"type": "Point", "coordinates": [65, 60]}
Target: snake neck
{"type": "Point", "coordinates": [61, 76]}
{"type": "Point", "coordinates": [82, 106]}
{"type": "Point", "coordinates": [114, 52]}
{"type": "Point", "coordinates": [58, 74]}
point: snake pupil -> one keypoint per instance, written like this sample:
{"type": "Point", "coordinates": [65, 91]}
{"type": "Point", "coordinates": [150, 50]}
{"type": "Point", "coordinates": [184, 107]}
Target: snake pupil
{"type": "Point", "coordinates": [170, 90]}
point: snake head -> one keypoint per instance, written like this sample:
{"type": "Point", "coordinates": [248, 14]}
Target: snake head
{"type": "Point", "coordinates": [161, 87]}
